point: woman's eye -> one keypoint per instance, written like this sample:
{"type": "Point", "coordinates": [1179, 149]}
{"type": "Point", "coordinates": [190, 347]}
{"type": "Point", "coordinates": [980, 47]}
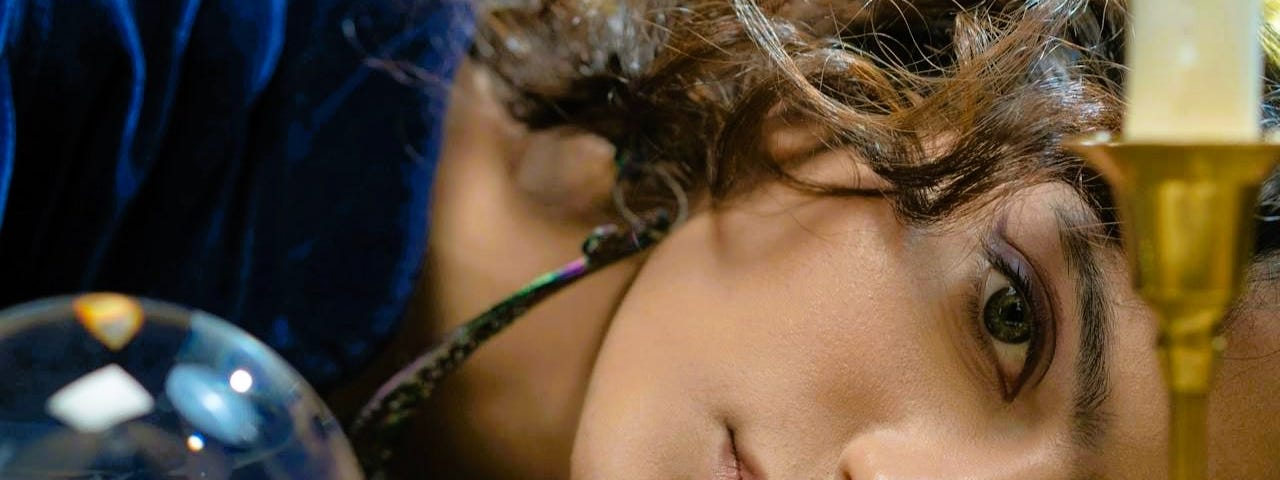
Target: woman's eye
{"type": "Point", "coordinates": [1006, 317]}
{"type": "Point", "coordinates": [1010, 327]}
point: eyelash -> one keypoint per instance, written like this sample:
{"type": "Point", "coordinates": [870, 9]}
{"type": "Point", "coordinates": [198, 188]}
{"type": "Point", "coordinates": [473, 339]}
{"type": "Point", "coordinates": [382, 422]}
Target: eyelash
{"type": "Point", "coordinates": [1040, 350]}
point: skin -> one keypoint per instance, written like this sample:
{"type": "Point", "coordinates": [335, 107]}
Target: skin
{"type": "Point", "coordinates": [850, 351]}
{"type": "Point", "coordinates": [492, 169]}
{"type": "Point", "coordinates": [832, 340]}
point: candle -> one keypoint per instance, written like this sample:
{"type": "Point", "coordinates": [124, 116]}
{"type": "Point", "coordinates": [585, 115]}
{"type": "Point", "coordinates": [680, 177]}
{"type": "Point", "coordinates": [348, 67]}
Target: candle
{"type": "Point", "coordinates": [1195, 71]}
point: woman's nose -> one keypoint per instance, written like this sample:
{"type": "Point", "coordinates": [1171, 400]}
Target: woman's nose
{"type": "Point", "coordinates": [861, 460]}
{"type": "Point", "coordinates": [886, 456]}
{"type": "Point", "coordinates": [892, 455]}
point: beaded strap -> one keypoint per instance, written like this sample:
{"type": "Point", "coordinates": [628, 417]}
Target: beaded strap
{"type": "Point", "coordinates": [380, 423]}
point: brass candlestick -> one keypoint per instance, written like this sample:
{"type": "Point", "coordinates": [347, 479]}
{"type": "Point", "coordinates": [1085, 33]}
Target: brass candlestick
{"type": "Point", "coordinates": [1187, 215]}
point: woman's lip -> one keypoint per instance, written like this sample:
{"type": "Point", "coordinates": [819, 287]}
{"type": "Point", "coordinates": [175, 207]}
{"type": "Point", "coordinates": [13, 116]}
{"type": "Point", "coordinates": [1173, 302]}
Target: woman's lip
{"type": "Point", "coordinates": [727, 464]}
{"type": "Point", "coordinates": [731, 465]}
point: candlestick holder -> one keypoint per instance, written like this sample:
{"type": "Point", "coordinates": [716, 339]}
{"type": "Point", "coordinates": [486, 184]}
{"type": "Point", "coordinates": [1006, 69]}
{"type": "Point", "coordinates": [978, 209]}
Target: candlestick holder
{"type": "Point", "coordinates": [1187, 219]}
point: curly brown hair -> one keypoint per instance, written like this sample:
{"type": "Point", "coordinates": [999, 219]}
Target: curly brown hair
{"type": "Point", "coordinates": [694, 86]}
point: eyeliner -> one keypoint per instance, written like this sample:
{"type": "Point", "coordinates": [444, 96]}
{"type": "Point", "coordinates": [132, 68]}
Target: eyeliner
{"type": "Point", "coordinates": [1009, 260]}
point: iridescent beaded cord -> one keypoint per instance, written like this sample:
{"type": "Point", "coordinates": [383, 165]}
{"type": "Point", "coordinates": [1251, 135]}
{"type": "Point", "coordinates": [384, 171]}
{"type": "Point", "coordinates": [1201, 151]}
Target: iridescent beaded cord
{"type": "Point", "coordinates": [381, 422]}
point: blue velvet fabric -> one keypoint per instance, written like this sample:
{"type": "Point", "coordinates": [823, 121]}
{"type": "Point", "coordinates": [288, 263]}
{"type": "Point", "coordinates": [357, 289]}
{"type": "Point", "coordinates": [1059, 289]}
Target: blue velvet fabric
{"type": "Point", "coordinates": [251, 158]}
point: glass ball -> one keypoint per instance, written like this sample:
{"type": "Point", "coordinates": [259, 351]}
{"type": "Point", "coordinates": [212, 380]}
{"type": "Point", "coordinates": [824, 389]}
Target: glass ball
{"type": "Point", "coordinates": [106, 386]}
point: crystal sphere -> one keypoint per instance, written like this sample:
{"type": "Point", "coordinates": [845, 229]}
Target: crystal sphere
{"type": "Point", "coordinates": [106, 386]}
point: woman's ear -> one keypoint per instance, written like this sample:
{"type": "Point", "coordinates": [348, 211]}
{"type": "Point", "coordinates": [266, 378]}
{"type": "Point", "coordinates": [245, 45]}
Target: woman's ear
{"type": "Point", "coordinates": [571, 173]}
{"type": "Point", "coordinates": [568, 174]}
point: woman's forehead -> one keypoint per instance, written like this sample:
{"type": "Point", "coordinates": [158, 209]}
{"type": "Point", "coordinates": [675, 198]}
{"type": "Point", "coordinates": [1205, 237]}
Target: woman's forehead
{"type": "Point", "coordinates": [1042, 202]}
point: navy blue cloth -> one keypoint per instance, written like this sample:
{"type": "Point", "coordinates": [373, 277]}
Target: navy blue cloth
{"type": "Point", "coordinates": [268, 161]}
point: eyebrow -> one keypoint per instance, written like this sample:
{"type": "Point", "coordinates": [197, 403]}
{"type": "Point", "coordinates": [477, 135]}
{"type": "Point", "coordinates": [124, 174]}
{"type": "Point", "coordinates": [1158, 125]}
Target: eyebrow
{"type": "Point", "coordinates": [1089, 420]}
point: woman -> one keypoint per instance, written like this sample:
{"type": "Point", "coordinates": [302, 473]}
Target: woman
{"type": "Point", "coordinates": [891, 267]}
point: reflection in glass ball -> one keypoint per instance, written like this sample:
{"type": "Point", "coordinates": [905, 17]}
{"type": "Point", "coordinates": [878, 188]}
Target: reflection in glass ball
{"type": "Point", "coordinates": [105, 386]}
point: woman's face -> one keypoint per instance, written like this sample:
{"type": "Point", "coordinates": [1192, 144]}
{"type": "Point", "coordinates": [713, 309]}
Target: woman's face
{"type": "Point", "coordinates": [793, 337]}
